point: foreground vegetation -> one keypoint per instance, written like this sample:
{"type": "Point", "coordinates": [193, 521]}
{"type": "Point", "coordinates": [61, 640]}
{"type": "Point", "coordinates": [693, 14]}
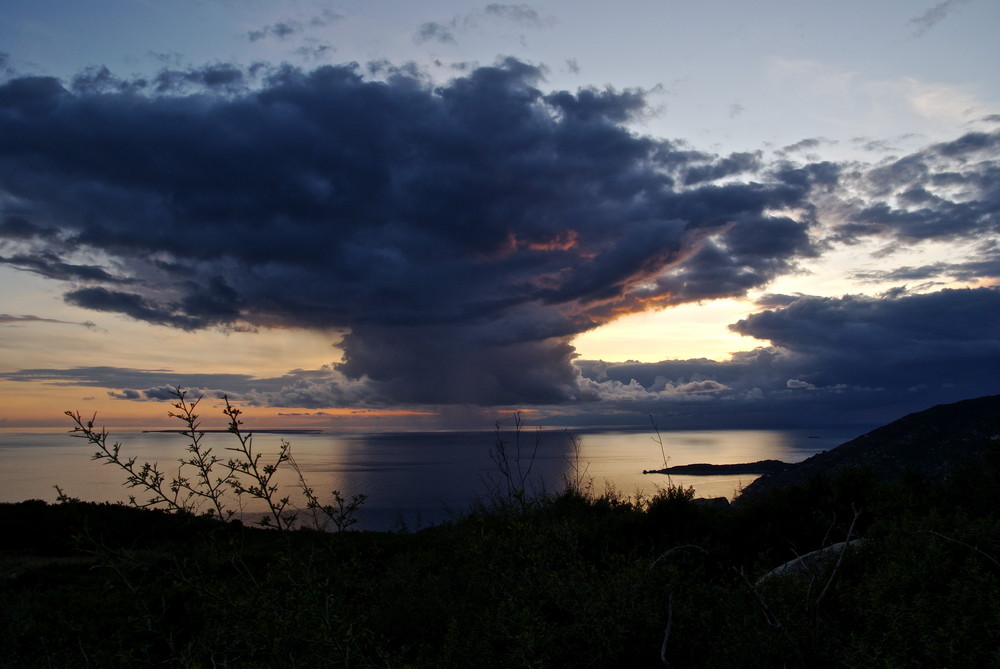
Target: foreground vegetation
{"type": "Point", "coordinates": [573, 579]}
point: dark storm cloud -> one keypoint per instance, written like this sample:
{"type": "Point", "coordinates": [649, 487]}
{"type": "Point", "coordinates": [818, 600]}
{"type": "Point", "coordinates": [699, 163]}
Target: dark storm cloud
{"type": "Point", "coordinates": [752, 253]}
{"type": "Point", "coordinates": [203, 306]}
{"type": "Point", "coordinates": [950, 336]}
{"type": "Point", "coordinates": [947, 192]}
{"type": "Point", "coordinates": [830, 360]}
{"type": "Point", "coordinates": [495, 368]}
{"type": "Point", "coordinates": [735, 163]}
{"type": "Point", "coordinates": [318, 388]}
{"type": "Point", "coordinates": [135, 306]}
{"type": "Point", "coordinates": [848, 360]}
{"type": "Point", "coordinates": [49, 265]}
{"type": "Point", "coordinates": [222, 76]}
{"type": "Point", "coordinates": [824, 175]}
{"type": "Point", "coordinates": [985, 264]}
{"type": "Point", "coordinates": [16, 227]}
{"type": "Point", "coordinates": [462, 233]}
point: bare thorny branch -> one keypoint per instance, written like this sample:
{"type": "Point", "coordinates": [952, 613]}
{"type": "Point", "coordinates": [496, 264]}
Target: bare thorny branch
{"type": "Point", "coordinates": [975, 549]}
{"type": "Point", "coordinates": [514, 467]}
{"type": "Point", "coordinates": [811, 605]}
{"type": "Point", "coordinates": [257, 479]}
{"type": "Point", "coordinates": [577, 479]}
{"type": "Point", "coordinates": [659, 440]}
{"type": "Point", "coordinates": [244, 474]}
{"type": "Point", "coordinates": [147, 476]}
{"type": "Point", "coordinates": [203, 461]}
{"type": "Point", "coordinates": [342, 513]}
{"type": "Point", "coordinates": [840, 558]}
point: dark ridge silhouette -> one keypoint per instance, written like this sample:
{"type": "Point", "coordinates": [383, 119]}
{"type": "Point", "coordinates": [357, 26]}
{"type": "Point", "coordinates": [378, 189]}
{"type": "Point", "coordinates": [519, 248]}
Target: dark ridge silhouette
{"type": "Point", "coordinates": [930, 442]}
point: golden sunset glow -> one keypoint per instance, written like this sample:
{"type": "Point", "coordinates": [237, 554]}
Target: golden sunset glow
{"type": "Point", "coordinates": [682, 332]}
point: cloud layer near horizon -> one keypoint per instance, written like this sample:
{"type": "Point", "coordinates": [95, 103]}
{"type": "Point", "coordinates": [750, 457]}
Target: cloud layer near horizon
{"type": "Point", "coordinates": [461, 234]}
{"type": "Point", "coordinates": [854, 359]}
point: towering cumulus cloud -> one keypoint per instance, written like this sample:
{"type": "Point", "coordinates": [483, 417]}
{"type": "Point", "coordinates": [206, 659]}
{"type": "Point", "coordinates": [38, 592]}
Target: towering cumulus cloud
{"type": "Point", "coordinates": [460, 234]}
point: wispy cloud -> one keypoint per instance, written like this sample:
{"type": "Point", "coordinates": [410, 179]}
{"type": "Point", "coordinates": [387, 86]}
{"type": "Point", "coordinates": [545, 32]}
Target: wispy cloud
{"type": "Point", "coordinates": [522, 15]}
{"type": "Point", "coordinates": [283, 30]}
{"type": "Point", "coordinates": [8, 319]}
{"type": "Point", "coordinates": [434, 31]}
{"type": "Point", "coordinates": [945, 192]}
{"type": "Point", "coordinates": [934, 15]}
{"type": "Point", "coordinates": [448, 32]}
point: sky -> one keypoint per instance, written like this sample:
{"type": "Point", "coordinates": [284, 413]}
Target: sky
{"type": "Point", "coordinates": [394, 214]}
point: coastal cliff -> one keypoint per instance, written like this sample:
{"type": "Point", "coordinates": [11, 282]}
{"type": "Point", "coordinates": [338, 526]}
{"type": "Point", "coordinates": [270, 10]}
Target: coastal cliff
{"type": "Point", "coordinates": [930, 442]}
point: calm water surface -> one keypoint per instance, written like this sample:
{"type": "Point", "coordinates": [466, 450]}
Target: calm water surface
{"type": "Point", "coordinates": [416, 479]}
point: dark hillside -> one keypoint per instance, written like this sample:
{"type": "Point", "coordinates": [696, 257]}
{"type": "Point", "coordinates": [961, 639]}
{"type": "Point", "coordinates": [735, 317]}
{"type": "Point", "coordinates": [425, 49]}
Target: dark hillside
{"type": "Point", "coordinates": [930, 442]}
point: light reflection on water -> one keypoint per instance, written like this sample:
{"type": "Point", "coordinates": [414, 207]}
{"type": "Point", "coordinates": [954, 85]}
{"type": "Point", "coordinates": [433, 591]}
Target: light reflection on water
{"type": "Point", "coordinates": [417, 478]}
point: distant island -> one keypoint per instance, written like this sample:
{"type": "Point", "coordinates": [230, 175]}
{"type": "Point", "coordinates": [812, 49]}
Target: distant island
{"type": "Point", "coordinates": [704, 469]}
{"type": "Point", "coordinates": [226, 431]}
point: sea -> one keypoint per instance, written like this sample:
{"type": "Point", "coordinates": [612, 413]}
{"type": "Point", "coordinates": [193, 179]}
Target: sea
{"type": "Point", "coordinates": [415, 479]}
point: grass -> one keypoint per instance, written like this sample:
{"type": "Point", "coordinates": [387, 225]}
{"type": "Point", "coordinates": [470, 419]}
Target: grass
{"type": "Point", "coordinates": [571, 581]}
{"type": "Point", "coordinates": [574, 579]}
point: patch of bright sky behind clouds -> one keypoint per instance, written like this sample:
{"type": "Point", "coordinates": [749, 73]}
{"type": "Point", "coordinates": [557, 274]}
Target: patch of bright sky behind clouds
{"type": "Point", "coordinates": [854, 83]}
